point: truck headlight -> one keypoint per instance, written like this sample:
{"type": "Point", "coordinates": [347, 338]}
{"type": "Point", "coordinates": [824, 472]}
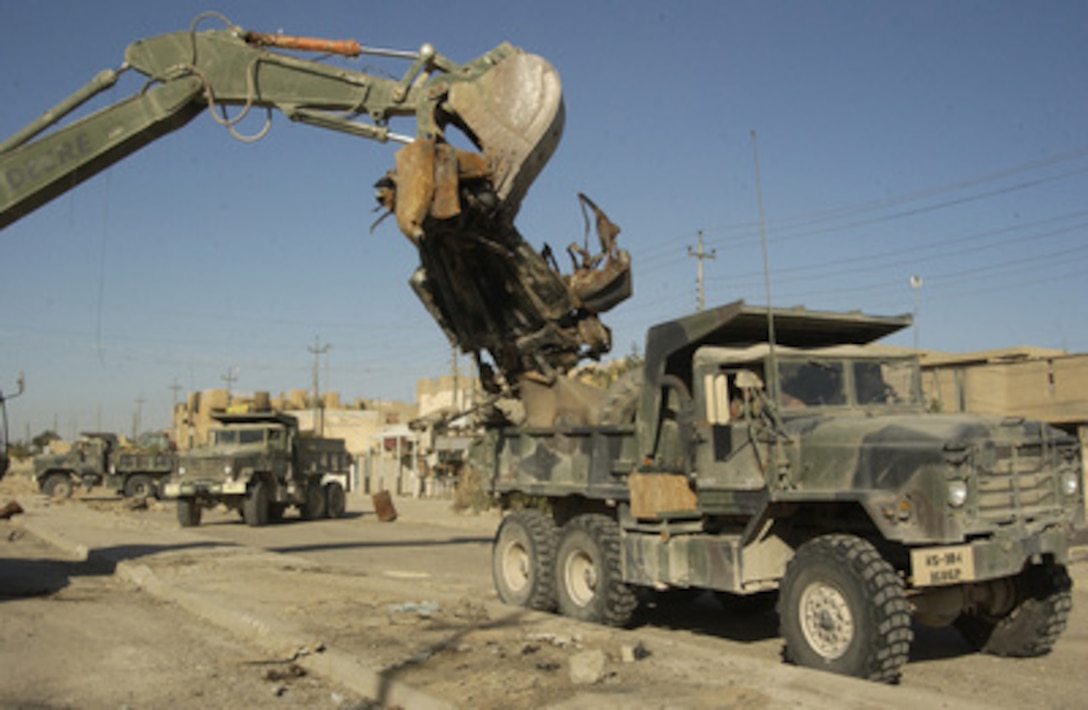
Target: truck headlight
{"type": "Point", "coordinates": [1070, 483]}
{"type": "Point", "coordinates": [181, 470]}
{"type": "Point", "coordinates": [957, 492]}
{"type": "Point", "coordinates": [227, 469]}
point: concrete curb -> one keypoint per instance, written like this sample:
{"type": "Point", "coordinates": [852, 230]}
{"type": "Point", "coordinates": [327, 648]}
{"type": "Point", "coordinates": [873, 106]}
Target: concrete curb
{"type": "Point", "coordinates": [274, 637]}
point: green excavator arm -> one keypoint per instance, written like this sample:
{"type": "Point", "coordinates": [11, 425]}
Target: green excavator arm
{"type": "Point", "coordinates": [488, 290]}
{"type": "Point", "coordinates": [508, 102]}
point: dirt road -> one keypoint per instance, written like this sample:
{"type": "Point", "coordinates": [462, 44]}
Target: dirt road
{"type": "Point", "coordinates": [373, 596]}
{"type": "Point", "coordinates": [74, 635]}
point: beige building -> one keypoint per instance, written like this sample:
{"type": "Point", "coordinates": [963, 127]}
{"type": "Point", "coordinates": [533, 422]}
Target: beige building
{"type": "Point", "coordinates": [358, 424]}
{"type": "Point", "coordinates": [1036, 383]}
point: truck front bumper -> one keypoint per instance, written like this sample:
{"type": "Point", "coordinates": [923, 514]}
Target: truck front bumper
{"type": "Point", "coordinates": [983, 560]}
{"type": "Point", "coordinates": [209, 489]}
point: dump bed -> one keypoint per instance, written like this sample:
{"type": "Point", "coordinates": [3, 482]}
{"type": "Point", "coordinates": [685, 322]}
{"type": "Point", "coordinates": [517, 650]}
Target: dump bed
{"type": "Point", "coordinates": [320, 456]}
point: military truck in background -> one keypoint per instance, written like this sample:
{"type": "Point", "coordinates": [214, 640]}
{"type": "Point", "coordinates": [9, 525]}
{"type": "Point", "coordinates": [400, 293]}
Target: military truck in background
{"type": "Point", "coordinates": [99, 459]}
{"type": "Point", "coordinates": [801, 472]}
{"type": "Point", "coordinates": [260, 464]}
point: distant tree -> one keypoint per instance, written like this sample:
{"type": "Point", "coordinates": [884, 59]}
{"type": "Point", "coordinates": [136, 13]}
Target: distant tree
{"type": "Point", "coordinates": [42, 441]}
{"type": "Point", "coordinates": [20, 450]}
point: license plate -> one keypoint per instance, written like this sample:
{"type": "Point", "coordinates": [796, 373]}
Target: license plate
{"type": "Point", "coordinates": [934, 566]}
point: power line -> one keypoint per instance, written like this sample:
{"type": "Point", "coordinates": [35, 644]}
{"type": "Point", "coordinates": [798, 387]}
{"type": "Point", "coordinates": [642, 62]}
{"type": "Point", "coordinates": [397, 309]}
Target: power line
{"type": "Point", "coordinates": [811, 218]}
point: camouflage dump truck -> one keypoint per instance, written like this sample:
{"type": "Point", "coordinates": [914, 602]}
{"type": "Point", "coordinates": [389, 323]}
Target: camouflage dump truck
{"type": "Point", "coordinates": [259, 464]}
{"type": "Point", "coordinates": [808, 475]}
{"type": "Point", "coordinates": [98, 459]}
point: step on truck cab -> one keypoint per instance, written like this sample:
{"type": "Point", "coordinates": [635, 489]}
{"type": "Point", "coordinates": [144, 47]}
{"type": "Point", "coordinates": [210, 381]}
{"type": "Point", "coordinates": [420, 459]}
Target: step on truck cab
{"type": "Point", "coordinates": [807, 474]}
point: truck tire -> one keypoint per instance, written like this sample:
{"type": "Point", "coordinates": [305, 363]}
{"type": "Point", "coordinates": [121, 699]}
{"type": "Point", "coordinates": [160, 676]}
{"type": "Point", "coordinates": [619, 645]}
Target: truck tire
{"type": "Point", "coordinates": [189, 512]}
{"type": "Point", "coordinates": [336, 503]}
{"type": "Point", "coordinates": [314, 507]}
{"type": "Point", "coordinates": [589, 576]}
{"type": "Point", "coordinates": [1044, 600]}
{"type": "Point", "coordinates": [842, 609]}
{"type": "Point", "coordinates": [621, 400]}
{"type": "Point", "coordinates": [57, 485]}
{"type": "Point", "coordinates": [523, 560]}
{"type": "Point", "coordinates": [140, 486]}
{"type": "Point", "coordinates": [255, 509]}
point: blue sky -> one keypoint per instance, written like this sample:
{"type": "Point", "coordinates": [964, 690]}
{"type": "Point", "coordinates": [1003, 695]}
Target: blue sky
{"type": "Point", "coordinates": [947, 140]}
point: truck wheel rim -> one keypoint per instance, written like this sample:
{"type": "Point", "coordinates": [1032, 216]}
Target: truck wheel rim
{"type": "Point", "coordinates": [515, 566]}
{"type": "Point", "coordinates": [826, 620]}
{"type": "Point", "coordinates": [580, 574]}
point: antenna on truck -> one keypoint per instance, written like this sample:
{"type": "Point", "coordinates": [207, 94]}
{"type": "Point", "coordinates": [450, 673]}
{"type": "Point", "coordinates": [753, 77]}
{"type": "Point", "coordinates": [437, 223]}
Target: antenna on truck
{"type": "Point", "coordinates": [773, 379]}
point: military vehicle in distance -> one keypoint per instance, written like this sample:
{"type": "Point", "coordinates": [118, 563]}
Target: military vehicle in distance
{"type": "Point", "coordinates": [807, 473]}
{"type": "Point", "coordinates": [259, 464]}
{"type": "Point", "coordinates": [99, 459]}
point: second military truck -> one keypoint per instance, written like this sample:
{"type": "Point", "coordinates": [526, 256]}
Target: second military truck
{"type": "Point", "coordinates": [99, 459]}
{"type": "Point", "coordinates": [803, 471]}
{"type": "Point", "coordinates": [260, 464]}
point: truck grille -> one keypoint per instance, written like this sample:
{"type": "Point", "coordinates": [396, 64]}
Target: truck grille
{"type": "Point", "coordinates": [1019, 483]}
{"type": "Point", "coordinates": [204, 470]}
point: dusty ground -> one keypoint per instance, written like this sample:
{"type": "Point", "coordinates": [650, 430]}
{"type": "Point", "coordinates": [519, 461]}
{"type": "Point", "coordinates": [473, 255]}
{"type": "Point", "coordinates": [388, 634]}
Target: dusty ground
{"type": "Point", "coordinates": [74, 635]}
{"type": "Point", "coordinates": [463, 648]}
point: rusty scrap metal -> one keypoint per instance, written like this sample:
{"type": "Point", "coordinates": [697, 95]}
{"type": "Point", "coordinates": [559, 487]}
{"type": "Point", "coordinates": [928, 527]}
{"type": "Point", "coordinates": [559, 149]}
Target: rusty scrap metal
{"type": "Point", "coordinates": [486, 287]}
{"type": "Point", "coordinates": [600, 288]}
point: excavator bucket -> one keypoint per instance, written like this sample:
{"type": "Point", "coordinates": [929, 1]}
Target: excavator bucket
{"type": "Point", "coordinates": [514, 113]}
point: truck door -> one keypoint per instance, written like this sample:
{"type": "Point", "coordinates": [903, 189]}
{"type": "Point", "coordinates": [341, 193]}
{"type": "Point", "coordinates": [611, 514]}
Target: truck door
{"type": "Point", "coordinates": [728, 454]}
{"type": "Point", "coordinates": [279, 453]}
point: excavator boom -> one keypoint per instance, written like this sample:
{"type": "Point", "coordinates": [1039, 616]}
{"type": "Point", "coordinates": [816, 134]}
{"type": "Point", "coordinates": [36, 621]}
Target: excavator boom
{"type": "Point", "coordinates": [486, 287]}
{"type": "Point", "coordinates": [511, 103]}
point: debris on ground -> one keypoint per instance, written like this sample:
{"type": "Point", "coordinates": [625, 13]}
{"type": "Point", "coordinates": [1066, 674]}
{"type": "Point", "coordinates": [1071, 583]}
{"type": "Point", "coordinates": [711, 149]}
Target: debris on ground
{"type": "Point", "coordinates": [10, 510]}
{"type": "Point", "coordinates": [588, 667]}
{"type": "Point", "coordinates": [383, 506]}
{"type": "Point", "coordinates": [630, 654]}
{"type": "Point", "coordinates": [291, 672]}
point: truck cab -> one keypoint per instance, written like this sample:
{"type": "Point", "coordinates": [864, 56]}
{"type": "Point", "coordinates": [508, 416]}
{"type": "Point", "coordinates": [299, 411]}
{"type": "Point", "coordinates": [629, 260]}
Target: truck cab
{"type": "Point", "coordinates": [85, 464]}
{"type": "Point", "coordinates": [734, 402]}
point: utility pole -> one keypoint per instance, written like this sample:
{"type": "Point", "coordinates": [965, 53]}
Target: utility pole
{"type": "Point", "coordinates": [456, 376]}
{"type": "Point", "coordinates": [700, 254]}
{"type": "Point", "coordinates": [915, 286]}
{"type": "Point", "coordinates": [318, 349]}
{"type": "Point", "coordinates": [230, 378]}
{"type": "Point", "coordinates": [136, 419]}
{"type": "Point", "coordinates": [175, 430]}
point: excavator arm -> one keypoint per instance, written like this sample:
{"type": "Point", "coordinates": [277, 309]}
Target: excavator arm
{"type": "Point", "coordinates": [486, 287]}
{"type": "Point", "coordinates": [509, 103]}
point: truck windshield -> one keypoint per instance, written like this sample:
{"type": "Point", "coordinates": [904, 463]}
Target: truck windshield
{"type": "Point", "coordinates": [833, 382]}
{"type": "Point", "coordinates": [886, 382]}
{"type": "Point", "coordinates": [237, 437]}
{"type": "Point", "coordinates": [812, 383]}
